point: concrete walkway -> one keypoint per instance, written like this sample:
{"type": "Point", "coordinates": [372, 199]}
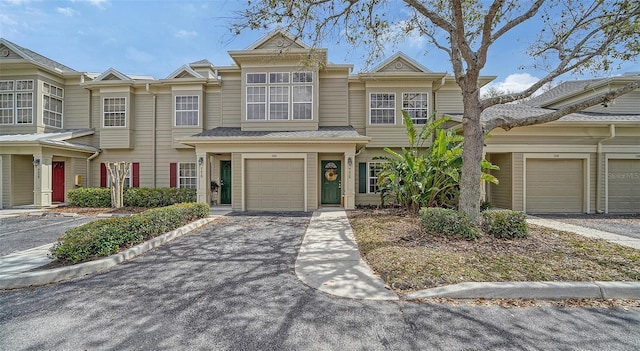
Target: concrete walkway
{"type": "Point", "coordinates": [588, 232]}
{"type": "Point", "coordinates": [329, 260]}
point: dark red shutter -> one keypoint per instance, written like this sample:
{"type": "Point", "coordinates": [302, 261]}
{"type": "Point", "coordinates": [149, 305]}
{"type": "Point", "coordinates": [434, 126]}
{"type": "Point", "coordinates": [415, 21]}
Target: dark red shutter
{"type": "Point", "coordinates": [135, 174]}
{"type": "Point", "coordinates": [173, 174]}
{"type": "Point", "coordinates": [103, 175]}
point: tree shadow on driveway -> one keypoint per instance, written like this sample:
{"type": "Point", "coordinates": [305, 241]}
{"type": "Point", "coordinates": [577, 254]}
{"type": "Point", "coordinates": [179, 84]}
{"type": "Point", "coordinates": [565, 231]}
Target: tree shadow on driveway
{"type": "Point", "coordinates": [231, 286]}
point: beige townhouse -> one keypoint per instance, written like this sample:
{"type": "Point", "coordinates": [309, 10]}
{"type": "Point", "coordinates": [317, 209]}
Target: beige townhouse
{"type": "Point", "coordinates": [284, 129]}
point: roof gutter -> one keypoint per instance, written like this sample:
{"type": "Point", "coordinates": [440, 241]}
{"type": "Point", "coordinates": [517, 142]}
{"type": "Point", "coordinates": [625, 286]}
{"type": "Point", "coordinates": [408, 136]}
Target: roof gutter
{"type": "Point", "coordinates": [599, 163]}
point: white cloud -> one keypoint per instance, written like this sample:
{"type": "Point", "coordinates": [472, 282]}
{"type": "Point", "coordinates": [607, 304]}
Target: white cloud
{"type": "Point", "coordinates": [514, 83]}
{"type": "Point", "coordinates": [139, 55]}
{"type": "Point", "coordinates": [17, 2]}
{"type": "Point", "coordinates": [67, 11]}
{"type": "Point", "coordinates": [185, 34]}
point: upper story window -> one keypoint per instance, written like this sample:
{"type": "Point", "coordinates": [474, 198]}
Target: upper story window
{"type": "Point", "coordinates": [382, 108]}
{"type": "Point", "coordinates": [417, 106]}
{"type": "Point", "coordinates": [16, 102]}
{"type": "Point", "coordinates": [283, 96]}
{"type": "Point", "coordinates": [187, 110]}
{"type": "Point", "coordinates": [114, 112]}
{"type": "Point", "coordinates": [52, 102]}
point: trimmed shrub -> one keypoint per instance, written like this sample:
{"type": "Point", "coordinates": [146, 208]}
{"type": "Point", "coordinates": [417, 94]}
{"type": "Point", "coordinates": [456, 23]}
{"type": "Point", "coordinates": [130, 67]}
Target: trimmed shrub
{"type": "Point", "coordinates": [105, 237]}
{"type": "Point", "coordinates": [446, 221]}
{"type": "Point", "coordinates": [90, 197]}
{"type": "Point", "coordinates": [485, 205]}
{"type": "Point", "coordinates": [138, 197]}
{"type": "Point", "coordinates": [505, 224]}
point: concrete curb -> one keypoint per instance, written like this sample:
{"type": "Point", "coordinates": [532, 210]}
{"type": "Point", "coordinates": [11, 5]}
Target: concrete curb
{"type": "Point", "coordinates": [533, 290]}
{"type": "Point", "coordinates": [43, 277]}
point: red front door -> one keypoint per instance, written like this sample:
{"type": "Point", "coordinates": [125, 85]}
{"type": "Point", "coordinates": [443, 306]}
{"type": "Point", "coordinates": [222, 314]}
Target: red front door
{"type": "Point", "coordinates": [57, 181]}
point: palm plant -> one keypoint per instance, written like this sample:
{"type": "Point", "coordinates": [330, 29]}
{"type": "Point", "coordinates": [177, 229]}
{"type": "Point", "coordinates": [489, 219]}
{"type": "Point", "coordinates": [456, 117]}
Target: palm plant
{"type": "Point", "coordinates": [421, 176]}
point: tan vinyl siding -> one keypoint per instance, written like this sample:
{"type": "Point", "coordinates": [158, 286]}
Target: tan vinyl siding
{"type": "Point", "coordinates": [231, 102]}
{"type": "Point", "coordinates": [593, 171]}
{"type": "Point", "coordinates": [76, 107]}
{"type": "Point", "coordinates": [500, 194]}
{"type": "Point", "coordinates": [392, 136]}
{"type": "Point", "coordinates": [448, 101]}
{"type": "Point", "coordinates": [212, 111]}
{"type": "Point", "coordinates": [312, 180]}
{"type": "Point", "coordinates": [333, 102]}
{"type": "Point", "coordinates": [629, 103]}
{"type": "Point", "coordinates": [357, 110]}
{"type": "Point", "coordinates": [22, 180]}
{"type": "Point", "coordinates": [517, 160]}
{"type": "Point", "coordinates": [78, 167]}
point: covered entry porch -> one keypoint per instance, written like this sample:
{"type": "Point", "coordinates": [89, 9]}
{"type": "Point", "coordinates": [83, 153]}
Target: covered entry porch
{"type": "Point", "coordinates": [277, 171]}
{"type": "Point", "coordinates": [38, 169]}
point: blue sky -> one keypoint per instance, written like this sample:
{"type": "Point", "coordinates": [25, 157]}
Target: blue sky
{"type": "Point", "coordinates": [155, 38]}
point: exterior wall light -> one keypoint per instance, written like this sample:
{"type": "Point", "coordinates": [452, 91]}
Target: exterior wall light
{"type": "Point", "coordinates": [350, 161]}
{"type": "Point", "coordinates": [200, 160]}
{"type": "Point", "coordinates": [36, 162]}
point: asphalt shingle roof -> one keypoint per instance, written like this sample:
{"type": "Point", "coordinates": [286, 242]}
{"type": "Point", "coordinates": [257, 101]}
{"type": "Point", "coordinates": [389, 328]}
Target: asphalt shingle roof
{"type": "Point", "coordinates": [34, 56]}
{"type": "Point", "coordinates": [524, 111]}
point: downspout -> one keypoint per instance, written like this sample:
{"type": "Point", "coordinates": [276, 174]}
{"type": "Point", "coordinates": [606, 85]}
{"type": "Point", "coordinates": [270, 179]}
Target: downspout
{"type": "Point", "coordinates": [95, 154]}
{"type": "Point", "coordinates": [153, 136]}
{"type": "Point", "coordinates": [600, 161]}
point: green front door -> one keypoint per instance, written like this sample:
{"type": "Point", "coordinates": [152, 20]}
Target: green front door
{"type": "Point", "coordinates": [225, 182]}
{"type": "Point", "coordinates": [331, 182]}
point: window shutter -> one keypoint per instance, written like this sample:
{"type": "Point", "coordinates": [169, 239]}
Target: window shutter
{"type": "Point", "coordinates": [135, 174]}
{"type": "Point", "coordinates": [173, 174]}
{"type": "Point", "coordinates": [362, 177]}
{"type": "Point", "coordinates": [103, 175]}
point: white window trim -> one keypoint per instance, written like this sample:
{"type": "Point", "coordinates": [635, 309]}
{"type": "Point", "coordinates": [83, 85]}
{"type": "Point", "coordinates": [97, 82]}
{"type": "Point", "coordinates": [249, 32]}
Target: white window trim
{"type": "Point", "coordinates": [51, 95]}
{"type": "Point", "coordinates": [14, 100]}
{"type": "Point", "coordinates": [179, 177]}
{"type": "Point", "coordinates": [426, 119]}
{"type": "Point", "coordinates": [175, 111]}
{"type": "Point", "coordinates": [369, 177]}
{"type": "Point", "coordinates": [383, 108]}
{"type": "Point", "coordinates": [126, 104]}
{"type": "Point", "coordinates": [290, 103]}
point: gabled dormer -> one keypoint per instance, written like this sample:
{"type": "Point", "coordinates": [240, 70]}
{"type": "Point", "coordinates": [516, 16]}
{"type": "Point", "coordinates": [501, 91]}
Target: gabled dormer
{"type": "Point", "coordinates": [280, 83]}
{"type": "Point", "coordinates": [398, 63]}
{"type": "Point", "coordinates": [112, 74]}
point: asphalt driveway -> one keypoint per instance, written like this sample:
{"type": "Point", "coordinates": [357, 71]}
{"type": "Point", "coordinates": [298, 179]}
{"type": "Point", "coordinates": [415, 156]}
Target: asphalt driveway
{"type": "Point", "coordinates": [231, 286]}
{"type": "Point", "coordinates": [26, 232]}
{"type": "Point", "coordinates": [621, 224]}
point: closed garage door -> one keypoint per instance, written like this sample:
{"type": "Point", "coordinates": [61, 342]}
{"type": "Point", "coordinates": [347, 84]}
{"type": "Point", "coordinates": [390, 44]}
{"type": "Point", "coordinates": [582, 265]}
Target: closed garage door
{"type": "Point", "coordinates": [624, 186]}
{"type": "Point", "coordinates": [274, 185]}
{"type": "Point", "coordinates": [554, 186]}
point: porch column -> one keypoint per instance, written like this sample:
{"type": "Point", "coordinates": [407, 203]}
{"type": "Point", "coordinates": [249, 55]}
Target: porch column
{"type": "Point", "coordinates": [42, 189]}
{"type": "Point", "coordinates": [203, 178]}
{"type": "Point", "coordinates": [350, 181]}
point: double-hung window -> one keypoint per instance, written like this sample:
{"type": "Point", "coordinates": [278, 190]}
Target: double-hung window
{"type": "Point", "coordinates": [127, 180]}
{"type": "Point", "coordinates": [256, 96]}
{"type": "Point", "coordinates": [114, 110]}
{"type": "Point", "coordinates": [382, 108]}
{"type": "Point", "coordinates": [16, 102]}
{"type": "Point", "coordinates": [187, 175]}
{"type": "Point", "coordinates": [279, 96]}
{"type": "Point", "coordinates": [187, 110]}
{"type": "Point", "coordinates": [372, 175]}
{"type": "Point", "coordinates": [52, 102]}
{"type": "Point", "coordinates": [416, 105]}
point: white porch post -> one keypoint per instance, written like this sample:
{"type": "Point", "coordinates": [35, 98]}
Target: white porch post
{"type": "Point", "coordinates": [350, 180]}
{"type": "Point", "coordinates": [42, 187]}
{"type": "Point", "coordinates": [203, 178]}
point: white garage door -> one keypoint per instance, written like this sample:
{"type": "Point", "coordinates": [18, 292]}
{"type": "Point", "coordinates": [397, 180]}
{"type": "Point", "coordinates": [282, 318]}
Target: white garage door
{"type": "Point", "coordinates": [274, 185]}
{"type": "Point", "coordinates": [554, 186]}
{"type": "Point", "coordinates": [624, 186]}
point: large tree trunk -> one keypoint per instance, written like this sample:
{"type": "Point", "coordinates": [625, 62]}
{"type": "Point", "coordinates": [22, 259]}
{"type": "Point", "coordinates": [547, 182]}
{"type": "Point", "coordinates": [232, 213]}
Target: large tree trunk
{"type": "Point", "coordinates": [470, 187]}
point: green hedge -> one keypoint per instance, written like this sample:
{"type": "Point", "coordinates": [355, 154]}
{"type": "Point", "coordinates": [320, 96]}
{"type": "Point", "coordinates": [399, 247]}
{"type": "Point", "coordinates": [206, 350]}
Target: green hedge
{"type": "Point", "coordinates": [504, 224]}
{"type": "Point", "coordinates": [90, 197]}
{"type": "Point", "coordinates": [105, 237]}
{"type": "Point", "coordinates": [437, 220]}
{"type": "Point", "coordinates": [138, 197]}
